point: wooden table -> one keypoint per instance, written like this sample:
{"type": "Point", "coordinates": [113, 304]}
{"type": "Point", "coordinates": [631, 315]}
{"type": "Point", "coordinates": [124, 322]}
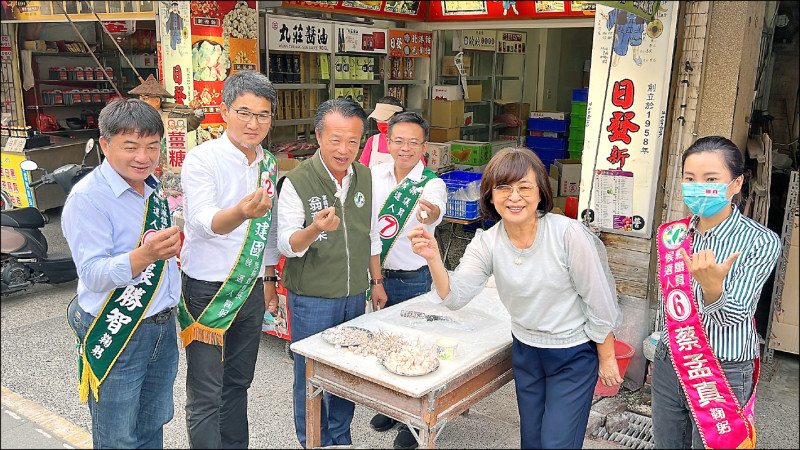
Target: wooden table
{"type": "Point", "coordinates": [425, 403]}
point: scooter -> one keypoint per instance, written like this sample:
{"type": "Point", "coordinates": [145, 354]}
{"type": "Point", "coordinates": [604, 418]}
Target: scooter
{"type": "Point", "coordinates": [24, 258]}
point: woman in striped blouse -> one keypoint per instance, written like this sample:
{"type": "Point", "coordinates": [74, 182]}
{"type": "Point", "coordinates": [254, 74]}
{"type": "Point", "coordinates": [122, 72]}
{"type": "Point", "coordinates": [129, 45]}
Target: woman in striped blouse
{"type": "Point", "coordinates": [731, 258]}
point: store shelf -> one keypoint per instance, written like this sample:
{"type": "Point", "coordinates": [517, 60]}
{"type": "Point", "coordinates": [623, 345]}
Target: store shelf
{"type": "Point", "coordinates": [69, 130]}
{"type": "Point", "coordinates": [84, 54]}
{"type": "Point", "coordinates": [505, 77]}
{"type": "Point", "coordinates": [479, 103]}
{"type": "Point", "coordinates": [70, 82]}
{"type": "Point", "coordinates": [291, 122]}
{"type": "Point", "coordinates": [76, 105]}
{"type": "Point", "coordinates": [357, 82]}
{"type": "Point", "coordinates": [469, 78]}
{"type": "Point", "coordinates": [414, 82]}
{"type": "Point", "coordinates": [280, 86]}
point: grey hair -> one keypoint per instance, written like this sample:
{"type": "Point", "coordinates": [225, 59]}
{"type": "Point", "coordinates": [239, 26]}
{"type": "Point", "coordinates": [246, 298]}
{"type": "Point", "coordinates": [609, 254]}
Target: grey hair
{"type": "Point", "coordinates": [409, 117]}
{"type": "Point", "coordinates": [123, 115]}
{"type": "Point", "coordinates": [347, 108]}
{"type": "Point", "coordinates": [250, 81]}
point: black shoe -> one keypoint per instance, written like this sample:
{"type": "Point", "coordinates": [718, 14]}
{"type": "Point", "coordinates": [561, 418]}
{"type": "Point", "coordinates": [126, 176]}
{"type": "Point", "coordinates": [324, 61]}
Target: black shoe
{"type": "Point", "coordinates": [404, 439]}
{"type": "Point", "coordinates": [381, 422]}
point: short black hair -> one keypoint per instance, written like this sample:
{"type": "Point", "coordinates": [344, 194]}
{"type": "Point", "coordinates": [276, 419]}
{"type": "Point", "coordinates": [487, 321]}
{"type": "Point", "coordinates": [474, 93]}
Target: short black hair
{"type": "Point", "coordinates": [409, 117]}
{"type": "Point", "coordinates": [250, 81]}
{"type": "Point", "coordinates": [129, 115]}
{"type": "Point", "coordinates": [347, 108]}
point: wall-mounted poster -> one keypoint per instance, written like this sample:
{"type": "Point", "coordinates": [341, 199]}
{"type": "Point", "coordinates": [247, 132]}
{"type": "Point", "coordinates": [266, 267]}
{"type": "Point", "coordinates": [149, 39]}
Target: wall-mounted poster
{"type": "Point", "coordinates": [460, 8]}
{"type": "Point", "coordinates": [632, 64]}
{"type": "Point", "coordinates": [402, 7]}
{"type": "Point", "coordinates": [374, 5]}
{"type": "Point", "coordinates": [511, 42]}
{"type": "Point", "coordinates": [294, 33]}
{"type": "Point", "coordinates": [360, 39]}
{"type": "Point", "coordinates": [549, 7]}
{"type": "Point", "coordinates": [581, 6]}
{"type": "Point", "coordinates": [409, 43]}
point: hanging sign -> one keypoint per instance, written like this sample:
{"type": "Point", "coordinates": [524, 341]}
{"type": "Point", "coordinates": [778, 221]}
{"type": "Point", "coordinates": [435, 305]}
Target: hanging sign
{"type": "Point", "coordinates": [120, 27]}
{"type": "Point", "coordinates": [291, 33]}
{"type": "Point", "coordinates": [631, 118]}
{"type": "Point", "coordinates": [505, 10]}
{"type": "Point", "coordinates": [510, 42]}
{"type": "Point", "coordinates": [176, 49]}
{"type": "Point", "coordinates": [484, 40]}
{"type": "Point", "coordinates": [360, 39]}
{"type": "Point", "coordinates": [176, 142]}
{"type": "Point", "coordinates": [79, 11]}
{"type": "Point", "coordinates": [411, 44]}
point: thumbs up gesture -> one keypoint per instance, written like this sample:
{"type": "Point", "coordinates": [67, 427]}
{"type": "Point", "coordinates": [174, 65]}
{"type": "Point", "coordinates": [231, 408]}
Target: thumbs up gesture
{"type": "Point", "coordinates": [708, 273]}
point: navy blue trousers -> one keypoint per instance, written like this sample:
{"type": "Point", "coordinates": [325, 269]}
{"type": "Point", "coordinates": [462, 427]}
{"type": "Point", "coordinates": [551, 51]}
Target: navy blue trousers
{"type": "Point", "coordinates": [554, 393]}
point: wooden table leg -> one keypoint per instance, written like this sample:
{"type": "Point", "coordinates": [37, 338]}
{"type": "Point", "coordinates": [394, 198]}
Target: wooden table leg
{"type": "Point", "coordinates": [313, 408]}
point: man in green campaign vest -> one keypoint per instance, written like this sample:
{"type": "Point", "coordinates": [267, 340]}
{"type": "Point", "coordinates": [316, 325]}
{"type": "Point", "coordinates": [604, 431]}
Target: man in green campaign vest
{"type": "Point", "coordinates": [229, 185]}
{"type": "Point", "coordinates": [327, 233]}
{"type": "Point", "coordinates": [117, 224]}
{"type": "Point", "coordinates": [405, 194]}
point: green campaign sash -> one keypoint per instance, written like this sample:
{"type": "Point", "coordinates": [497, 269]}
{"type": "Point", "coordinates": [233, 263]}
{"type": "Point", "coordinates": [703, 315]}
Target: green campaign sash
{"type": "Point", "coordinates": [123, 310]}
{"type": "Point", "coordinates": [397, 209]}
{"type": "Point", "coordinates": [214, 321]}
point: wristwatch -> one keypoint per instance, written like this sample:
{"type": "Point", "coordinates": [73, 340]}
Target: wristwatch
{"type": "Point", "coordinates": [271, 279]}
{"type": "Point", "coordinates": [376, 281]}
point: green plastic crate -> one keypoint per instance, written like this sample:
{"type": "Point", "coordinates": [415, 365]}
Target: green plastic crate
{"type": "Point", "coordinates": [575, 154]}
{"type": "Point", "coordinates": [575, 145]}
{"type": "Point", "coordinates": [579, 108]}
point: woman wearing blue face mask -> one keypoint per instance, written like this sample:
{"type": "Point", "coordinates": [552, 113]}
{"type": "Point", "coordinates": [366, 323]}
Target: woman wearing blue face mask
{"type": "Point", "coordinates": [712, 266]}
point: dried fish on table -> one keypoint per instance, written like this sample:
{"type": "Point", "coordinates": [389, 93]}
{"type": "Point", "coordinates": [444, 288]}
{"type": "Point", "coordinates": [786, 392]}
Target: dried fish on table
{"type": "Point", "coordinates": [422, 316]}
{"type": "Point", "coordinates": [412, 360]}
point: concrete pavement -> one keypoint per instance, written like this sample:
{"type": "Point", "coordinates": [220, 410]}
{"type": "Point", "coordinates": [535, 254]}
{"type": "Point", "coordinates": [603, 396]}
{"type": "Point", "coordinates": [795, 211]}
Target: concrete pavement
{"type": "Point", "coordinates": [40, 407]}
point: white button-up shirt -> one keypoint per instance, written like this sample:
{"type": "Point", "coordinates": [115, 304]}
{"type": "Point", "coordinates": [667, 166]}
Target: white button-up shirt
{"type": "Point", "coordinates": [293, 215]}
{"type": "Point", "coordinates": [216, 176]}
{"type": "Point", "coordinates": [401, 256]}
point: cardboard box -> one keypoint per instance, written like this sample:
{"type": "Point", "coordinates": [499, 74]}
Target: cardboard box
{"type": "Point", "coordinates": [449, 66]}
{"type": "Point", "coordinates": [37, 45]}
{"type": "Point", "coordinates": [784, 337]}
{"type": "Point", "coordinates": [447, 113]}
{"type": "Point", "coordinates": [437, 134]}
{"type": "Point", "coordinates": [286, 164]}
{"type": "Point", "coordinates": [554, 189]}
{"type": "Point", "coordinates": [469, 117]}
{"type": "Point", "coordinates": [438, 155]}
{"type": "Point", "coordinates": [521, 110]}
{"type": "Point", "coordinates": [558, 115]}
{"type": "Point", "coordinates": [448, 92]}
{"type": "Point", "coordinates": [474, 92]}
{"type": "Point", "coordinates": [790, 306]}
{"type": "Point", "coordinates": [568, 174]}
{"type": "Point", "coordinates": [473, 153]}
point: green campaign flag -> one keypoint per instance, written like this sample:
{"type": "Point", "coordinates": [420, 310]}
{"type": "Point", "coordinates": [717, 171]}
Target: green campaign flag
{"type": "Point", "coordinates": [644, 9]}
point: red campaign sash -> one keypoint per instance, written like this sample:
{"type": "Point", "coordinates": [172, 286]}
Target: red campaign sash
{"type": "Point", "coordinates": [721, 421]}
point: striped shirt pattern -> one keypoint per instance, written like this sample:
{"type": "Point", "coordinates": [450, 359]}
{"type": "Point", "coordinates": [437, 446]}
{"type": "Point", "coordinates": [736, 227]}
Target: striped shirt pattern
{"type": "Point", "coordinates": [729, 320]}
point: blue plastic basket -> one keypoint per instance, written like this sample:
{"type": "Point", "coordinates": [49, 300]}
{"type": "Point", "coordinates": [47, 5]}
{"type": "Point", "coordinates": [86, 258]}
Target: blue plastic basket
{"type": "Point", "coordinates": [460, 209]}
{"type": "Point", "coordinates": [544, 124]}
{"type": "Point", "coordinates": [548, 156]}
{"type": "Point", "coordinates": [580, 95]}
{"type": "Point", "coordinates": [541, 142]}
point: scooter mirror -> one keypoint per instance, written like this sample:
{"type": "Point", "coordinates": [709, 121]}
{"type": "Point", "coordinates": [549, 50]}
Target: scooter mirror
{"type": "Point", "coordinates": [89, 146]}
{"type": "Point", "coordinates": [88, 149]}
{"type": "Point", "coordinates": [28, 165]}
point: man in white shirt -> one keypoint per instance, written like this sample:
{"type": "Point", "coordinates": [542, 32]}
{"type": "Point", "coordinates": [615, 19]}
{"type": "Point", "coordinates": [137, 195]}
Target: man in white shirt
{"type": "Point", "coordinates": [229, 185]}
{"type": "Point", "coordinates": [327, 233]}
{"type": "Point", "coordinates": [405, 194]}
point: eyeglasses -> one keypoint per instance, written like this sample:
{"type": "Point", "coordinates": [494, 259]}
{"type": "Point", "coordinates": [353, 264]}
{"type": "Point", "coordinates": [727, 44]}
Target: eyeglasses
{"type": "Point", "coordinates": [246, 116]}
{"type": "Point", "coordinates": [414, 145]}
{"type": "Point", "coordinates": [524, 190]}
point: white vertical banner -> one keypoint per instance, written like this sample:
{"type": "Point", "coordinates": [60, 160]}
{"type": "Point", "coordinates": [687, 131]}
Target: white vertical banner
{"type": "Point", "coordinates": [627, 104]}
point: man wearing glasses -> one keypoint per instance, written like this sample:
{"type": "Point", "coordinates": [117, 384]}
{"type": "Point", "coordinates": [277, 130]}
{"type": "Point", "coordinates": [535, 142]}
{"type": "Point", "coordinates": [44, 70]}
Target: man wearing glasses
{"type": "Point", "coordinates": [405, 194]}
{"type": "Point", "coordinates": [228, 262]}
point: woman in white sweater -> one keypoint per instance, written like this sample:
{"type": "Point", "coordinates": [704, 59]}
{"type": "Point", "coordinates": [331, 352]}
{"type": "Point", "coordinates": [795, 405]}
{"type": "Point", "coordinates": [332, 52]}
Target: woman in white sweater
{"type": "Point", "coordinates": [552, 275]}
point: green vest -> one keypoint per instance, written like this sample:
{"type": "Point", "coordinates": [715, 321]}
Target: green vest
{"type": "Point", "coordinates": [336, 264]}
